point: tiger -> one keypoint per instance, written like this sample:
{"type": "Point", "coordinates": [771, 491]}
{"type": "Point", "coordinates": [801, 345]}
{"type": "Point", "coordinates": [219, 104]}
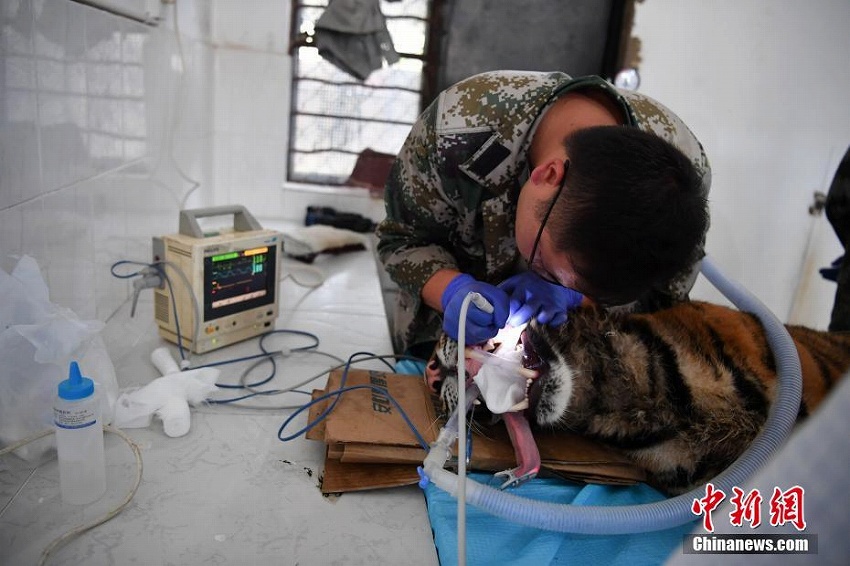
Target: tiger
{"type": "Point", "coordinates": [682, 391]}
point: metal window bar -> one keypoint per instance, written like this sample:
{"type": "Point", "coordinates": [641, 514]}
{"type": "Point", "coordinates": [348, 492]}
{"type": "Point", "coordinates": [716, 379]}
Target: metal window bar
{"type": "Point", "coordinates": [334, 117]}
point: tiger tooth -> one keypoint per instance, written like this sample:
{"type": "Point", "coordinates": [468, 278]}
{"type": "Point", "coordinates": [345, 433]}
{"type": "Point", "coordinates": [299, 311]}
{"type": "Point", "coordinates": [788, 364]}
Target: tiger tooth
{"type": "Point", "coordinates": [521, 406]}
{"type": "Point", "coordinates": [528, 373]}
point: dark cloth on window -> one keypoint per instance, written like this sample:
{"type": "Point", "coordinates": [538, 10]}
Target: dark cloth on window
{"type": "Point", "coordinates": [352, 35]}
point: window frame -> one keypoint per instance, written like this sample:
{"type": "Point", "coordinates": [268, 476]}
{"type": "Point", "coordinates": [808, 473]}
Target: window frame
{"type": "Point", "coordinates": [304, 40]}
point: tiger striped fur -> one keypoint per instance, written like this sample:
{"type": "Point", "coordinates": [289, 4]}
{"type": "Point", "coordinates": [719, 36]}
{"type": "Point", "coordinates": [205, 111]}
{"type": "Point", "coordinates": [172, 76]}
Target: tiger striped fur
{"type": "Point", "coordinates": [681, 391]}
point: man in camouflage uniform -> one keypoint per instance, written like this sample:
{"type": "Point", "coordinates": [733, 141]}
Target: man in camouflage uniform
{"type": "Point", "coordinates": [452, 196]}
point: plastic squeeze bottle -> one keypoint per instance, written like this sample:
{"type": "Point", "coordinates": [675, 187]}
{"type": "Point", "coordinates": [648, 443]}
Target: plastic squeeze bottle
{"type": "Point", "coordinates": [79, 439]}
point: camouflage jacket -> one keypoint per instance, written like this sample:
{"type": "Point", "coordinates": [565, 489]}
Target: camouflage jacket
{"type": "Point", "coordinates": [452, 192]}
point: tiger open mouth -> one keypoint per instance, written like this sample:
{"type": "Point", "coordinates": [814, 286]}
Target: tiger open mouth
{"type": "Point", "coordinates": [531, 360]}
{"type": "Point", "coordinates": [532, 369]}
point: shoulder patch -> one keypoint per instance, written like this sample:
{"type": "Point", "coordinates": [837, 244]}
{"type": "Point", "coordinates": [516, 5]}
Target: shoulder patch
{"type": "Point", "coordinates": [483, 163]}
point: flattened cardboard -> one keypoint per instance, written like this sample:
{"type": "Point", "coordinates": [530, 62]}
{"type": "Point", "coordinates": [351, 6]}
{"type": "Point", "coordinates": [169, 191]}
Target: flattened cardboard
{"type": "Point", "coordinates": [358, 453]}
{"type": "Point", "coordinates": [340, 478]}
{"type": "Point", "coordinates": [370, 446]}
{"type": "Point", "coordinates": [564, 454]}
{"type": "Point", "coordinates": [369, 417]}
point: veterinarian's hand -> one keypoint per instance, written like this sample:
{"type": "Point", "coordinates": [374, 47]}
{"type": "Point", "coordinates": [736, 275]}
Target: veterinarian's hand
{"type": "Point", "coordinates": [480, 325]}
{"type": "Point", "coordinates": [533, 297]}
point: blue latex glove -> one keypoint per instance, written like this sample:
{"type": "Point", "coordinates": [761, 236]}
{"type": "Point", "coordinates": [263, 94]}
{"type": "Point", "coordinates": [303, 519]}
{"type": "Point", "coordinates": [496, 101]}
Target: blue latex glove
{"type": "Point", "coordinates": [533, 297]}
{"type": "Point", "coordinates": [480, 325]}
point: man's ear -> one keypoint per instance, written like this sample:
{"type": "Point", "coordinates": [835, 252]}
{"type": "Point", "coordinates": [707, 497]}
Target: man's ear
{"type": "Point", "coordinates": [550, 172]}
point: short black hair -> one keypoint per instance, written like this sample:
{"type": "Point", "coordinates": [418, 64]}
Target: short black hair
{"type": "Point", "coordinates": [633, 212]}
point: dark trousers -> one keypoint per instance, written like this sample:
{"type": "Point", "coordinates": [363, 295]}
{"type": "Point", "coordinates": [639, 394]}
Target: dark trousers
{"type": "Point", "coordinates": [838, 214]}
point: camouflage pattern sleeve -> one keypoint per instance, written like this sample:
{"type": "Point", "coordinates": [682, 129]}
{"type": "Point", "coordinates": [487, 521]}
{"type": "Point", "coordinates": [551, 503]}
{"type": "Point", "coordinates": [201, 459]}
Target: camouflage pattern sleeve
{"type": "Point", "coordinates": [412, 239]}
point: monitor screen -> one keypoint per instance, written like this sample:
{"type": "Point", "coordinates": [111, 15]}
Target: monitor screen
{"type": "Point", "coordinates": [238, 281]}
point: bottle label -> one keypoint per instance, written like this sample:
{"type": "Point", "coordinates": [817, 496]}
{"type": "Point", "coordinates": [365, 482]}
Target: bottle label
{"type": "Point", "coordinates": [74, 418]}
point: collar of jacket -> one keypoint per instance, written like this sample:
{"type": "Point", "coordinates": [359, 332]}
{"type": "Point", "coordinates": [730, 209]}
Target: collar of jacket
{"type": "Point", "coordinates": [490, 165]}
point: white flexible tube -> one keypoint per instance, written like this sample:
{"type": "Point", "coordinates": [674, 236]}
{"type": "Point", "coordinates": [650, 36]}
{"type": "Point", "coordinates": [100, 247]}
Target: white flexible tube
{"type": "Point", "coordinates": [482, 304]}
{"type": "Point", "coordinates": [461, 425]}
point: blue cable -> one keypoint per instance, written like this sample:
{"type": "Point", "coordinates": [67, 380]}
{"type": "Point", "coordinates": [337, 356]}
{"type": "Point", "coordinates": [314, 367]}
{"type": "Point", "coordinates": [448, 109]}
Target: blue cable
{"type": "Point", "coordinates": [126, 262]}
{"type": "Point", "coordinates": [337, 393]}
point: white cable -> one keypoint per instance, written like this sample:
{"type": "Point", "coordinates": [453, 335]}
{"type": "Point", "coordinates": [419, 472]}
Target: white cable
{"type": "Point", "coordinates": [317, 275]}
{"type": "Point", "coordinates": [461, 434]}
{"type": "Point", "coordinates": [481, 303]}
{"type": "Point", "coordinates": [174, 123]}
{"type": "Point", "coordinates": [75, 532]}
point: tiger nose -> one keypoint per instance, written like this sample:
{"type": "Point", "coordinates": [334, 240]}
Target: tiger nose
{"type": "Point", "coordinates": [433, 377]}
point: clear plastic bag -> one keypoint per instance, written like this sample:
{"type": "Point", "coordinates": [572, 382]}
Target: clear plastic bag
{"type": "Point", "coordinates": [38, 340]}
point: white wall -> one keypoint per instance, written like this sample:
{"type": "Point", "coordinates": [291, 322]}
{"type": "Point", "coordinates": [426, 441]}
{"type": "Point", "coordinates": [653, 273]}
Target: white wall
{"type": "Point", "coordinates": [764, 84]}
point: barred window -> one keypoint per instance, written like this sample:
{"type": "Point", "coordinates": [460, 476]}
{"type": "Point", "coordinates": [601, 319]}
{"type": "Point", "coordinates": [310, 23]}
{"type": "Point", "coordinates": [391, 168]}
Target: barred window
{"type": "Point", "coordinates": [334, 115]}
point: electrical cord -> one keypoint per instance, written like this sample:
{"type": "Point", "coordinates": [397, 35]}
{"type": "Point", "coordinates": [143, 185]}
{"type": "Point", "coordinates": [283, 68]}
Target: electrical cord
{"type": "Point", "coordinates": [159, 267]}
{"type": "Point", "coordinates": [336, 394]}
{"type": "Point", "coordinates": [291, 274]}
{"type": "Point", "coordinates": [252, 387]}
{"type": "Point", "coordinates": [264, 355]}
{"type": "Point", "coordinates": [294, 388]}
{"type": "Point", "coordinates": [73, 533]}
{"type": "Point", "coordinates": [194, 184]}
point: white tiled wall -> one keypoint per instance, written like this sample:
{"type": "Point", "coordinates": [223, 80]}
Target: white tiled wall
{"type": "Point", "coordinates": [101, 118]}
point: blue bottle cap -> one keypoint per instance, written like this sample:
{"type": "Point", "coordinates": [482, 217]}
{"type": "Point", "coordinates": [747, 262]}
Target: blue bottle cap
{"type": "Point", "coordinates": [76, 386]}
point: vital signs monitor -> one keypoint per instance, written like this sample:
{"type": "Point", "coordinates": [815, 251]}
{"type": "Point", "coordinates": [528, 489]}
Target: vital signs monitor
{"type": "Point", "coordinates": [221, 286]}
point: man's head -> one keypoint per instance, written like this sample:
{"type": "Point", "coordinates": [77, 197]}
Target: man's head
{"type": "Point", "coordinates": [626, 210]}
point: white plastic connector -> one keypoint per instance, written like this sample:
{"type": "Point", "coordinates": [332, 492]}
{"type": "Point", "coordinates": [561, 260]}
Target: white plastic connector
{"type": "Point", "coordinates": [479, 301]}
{"type": "Point", "coordinates": [150, 279]}
{"type": "Point", "coordinates": [285, 352]}
{"type": "Point", "coordinates": [163, 361]}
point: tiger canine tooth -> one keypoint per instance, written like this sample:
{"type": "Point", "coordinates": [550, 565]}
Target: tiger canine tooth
{"type": "Point", "coordinates": [521, 406]}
